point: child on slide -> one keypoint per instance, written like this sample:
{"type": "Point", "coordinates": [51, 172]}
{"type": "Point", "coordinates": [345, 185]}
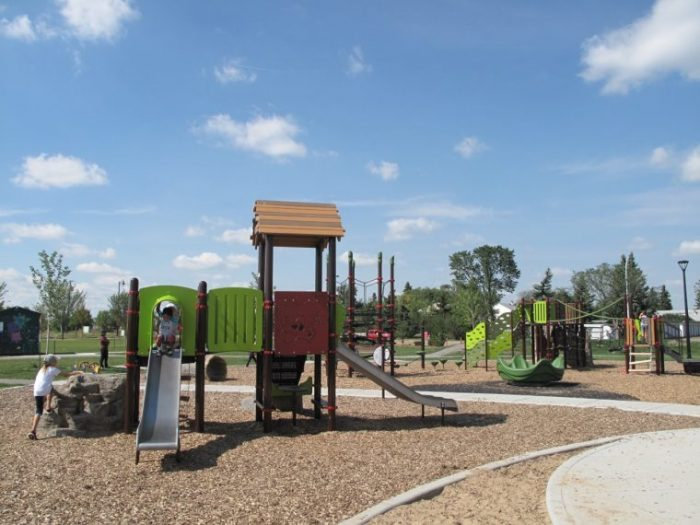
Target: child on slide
{"type": "Point", "coordinates": [168, 332]}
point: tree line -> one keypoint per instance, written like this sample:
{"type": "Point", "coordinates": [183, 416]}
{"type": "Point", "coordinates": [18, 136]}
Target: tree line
{"type": "Point", "coordinates": [480, 279]}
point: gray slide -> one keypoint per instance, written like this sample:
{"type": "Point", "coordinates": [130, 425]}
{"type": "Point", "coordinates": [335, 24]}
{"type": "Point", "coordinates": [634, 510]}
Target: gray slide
{"type": "Point", "coordinates": [390, 383]}
{"type": "Point", "coordinates": [159, 425]}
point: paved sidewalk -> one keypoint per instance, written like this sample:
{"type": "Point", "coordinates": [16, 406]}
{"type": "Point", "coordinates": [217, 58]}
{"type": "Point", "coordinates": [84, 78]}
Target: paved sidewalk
{"type": "Point", "coordinates": [651, 478]}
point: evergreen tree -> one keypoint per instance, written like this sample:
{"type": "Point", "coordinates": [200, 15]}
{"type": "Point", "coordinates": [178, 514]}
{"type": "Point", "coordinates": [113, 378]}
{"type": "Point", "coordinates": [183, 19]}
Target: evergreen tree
{"type": "Point", "coordinates": [665, 299]}
{"type": "Point", "coordinates": [543, 290]}
{"type": "Point", "coordinates": [3, 291]}
{"type": "Point", "coordinates": [697, 295]}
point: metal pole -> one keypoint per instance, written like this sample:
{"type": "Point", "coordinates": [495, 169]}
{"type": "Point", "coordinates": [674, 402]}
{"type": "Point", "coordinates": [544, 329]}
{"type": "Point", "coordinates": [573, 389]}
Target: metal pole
{"type": "Point", "coordinates": [392, 313]}
{"type": "Point", "coordinates": [258, 361]}
{"type": "Point", "coordinates": [684, 265]}
{"type": "Point", "coordinates": [379, 307]}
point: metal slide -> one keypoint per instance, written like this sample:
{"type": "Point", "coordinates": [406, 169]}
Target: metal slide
{"type": "Point", "coordinates": [390, 383]}
{"type": "Point", "coordinates": [159, 423]}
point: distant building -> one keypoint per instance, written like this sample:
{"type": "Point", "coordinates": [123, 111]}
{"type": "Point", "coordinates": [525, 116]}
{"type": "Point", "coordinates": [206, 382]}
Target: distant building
{"type": "Point", "coordinates": [19, 331]}
{"type": "Point", "coordinates": [693, 315]}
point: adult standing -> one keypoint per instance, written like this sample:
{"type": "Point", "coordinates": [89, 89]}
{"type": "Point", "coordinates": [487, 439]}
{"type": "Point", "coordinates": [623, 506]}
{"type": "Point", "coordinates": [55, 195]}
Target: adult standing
{"type": "Point", "coordinates": [104, 350]}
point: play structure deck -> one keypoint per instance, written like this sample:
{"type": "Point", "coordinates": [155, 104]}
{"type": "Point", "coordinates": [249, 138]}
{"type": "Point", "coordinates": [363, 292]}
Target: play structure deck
{"type": "Point", "coordinates": [281, 327]}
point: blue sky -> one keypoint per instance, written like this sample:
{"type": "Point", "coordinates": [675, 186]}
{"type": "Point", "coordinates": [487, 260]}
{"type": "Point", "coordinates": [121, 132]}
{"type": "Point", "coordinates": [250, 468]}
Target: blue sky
{"type": "Point", "coordinates": [136, 136]}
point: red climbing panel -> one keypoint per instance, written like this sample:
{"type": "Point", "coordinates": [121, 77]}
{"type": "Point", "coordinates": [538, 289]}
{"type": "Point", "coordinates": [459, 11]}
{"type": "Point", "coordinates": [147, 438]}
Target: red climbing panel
{"type": "Point", "coordinates": [301, 323]}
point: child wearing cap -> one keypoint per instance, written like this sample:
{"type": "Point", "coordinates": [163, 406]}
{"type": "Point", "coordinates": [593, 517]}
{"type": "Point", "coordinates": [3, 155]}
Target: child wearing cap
{"type": "Point", "coordinates": [43, 388]}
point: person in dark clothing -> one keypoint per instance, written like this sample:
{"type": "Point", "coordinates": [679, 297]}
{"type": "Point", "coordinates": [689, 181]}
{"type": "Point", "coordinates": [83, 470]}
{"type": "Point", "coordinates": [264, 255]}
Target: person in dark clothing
{"type": "Point", "coordinates": [104, 350]}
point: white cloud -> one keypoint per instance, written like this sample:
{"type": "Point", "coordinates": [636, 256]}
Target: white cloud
{"type": "Point", "coordinates": [202, 261]}
{"type": "Point", "coordinates": [640, 243]}
{"type": "Point", "coordinates": [467, 239]}
{"type": "Point", "coordinates": [470, 146]}
{"type": "Point", "coordinates": [689, 247]}
{"type": "Point", "coordinates": [20, 289]}
{"type": "Point", "coordinates": [15, 232]}
{"type": "Point", "coordinates": [560, 272]}
{"type": "Point", "coordinates": [660, 156]}
{"type": "Point", "coordinates": [664, 41]}
{"type": "Point", "coordinates": [108, 253]}
{"type": "Point", "coordinates": [239, 236]}
{"type": "Point", "coordinates": [238, 260]}
{"type": "Point", "coordinates": [403, 229]}
{"type": "Point", "coordinates": [690, 170]}
{"type": "Point", "coordinates": [20, 28]}
{"type": "Point", "coordinates": [386, 170]}
{"type": "Point", "coordinates": [356, 63]}
{"type": "Point", "coordinates": [73, 249]}
{"type": "Point", "coordinates": [194, 231]}
{"type": "Point", "coordinates": [447, 210]}
{"type": "Point", "coordinates": [96, 19]}
{"type": "Point", "coordinates": [273, 136]}
{"type": "Point", "coordinates": [360, 259]}
{"type": "Point", "coordinates": [232, 71]}
{"type": "Point", "coordinates": [95, 267]}
{"type": "Point", "coordinates": [58, 171]}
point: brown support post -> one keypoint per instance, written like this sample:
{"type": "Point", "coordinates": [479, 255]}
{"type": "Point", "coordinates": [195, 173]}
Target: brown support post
{"type": "Point", "coordinates": [422, 345]}
{"type": "Point", "coordinates": [131, 395]}
{"type": "Point", "coordinates": [392, 313]}
{"type": "Point", "coordinates": [351, 306]}
{"type": "Point", "coordinates": [486, 344]}
{"type": "Point", "coordinates": [379, 310]}
{"type": "Point", "coordinates": [330, 365]}
{"type": "Point", "coordinates": [200, 348]}
{"type": "Point", "coordinates": [317, 358]}
{"type": "Point", "coordinates": [258, 361]}
{"type": "Point", "coordinates": [267, 336]}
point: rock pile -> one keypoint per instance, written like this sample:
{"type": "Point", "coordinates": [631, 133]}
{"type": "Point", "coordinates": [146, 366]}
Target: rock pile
{"type": "Point", "coordinates": [86, 405]}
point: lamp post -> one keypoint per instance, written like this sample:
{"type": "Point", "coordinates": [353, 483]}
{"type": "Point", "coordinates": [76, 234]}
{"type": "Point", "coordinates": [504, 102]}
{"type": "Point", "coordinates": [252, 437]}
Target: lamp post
{"type": "Point", "coordinates": [683, 265]}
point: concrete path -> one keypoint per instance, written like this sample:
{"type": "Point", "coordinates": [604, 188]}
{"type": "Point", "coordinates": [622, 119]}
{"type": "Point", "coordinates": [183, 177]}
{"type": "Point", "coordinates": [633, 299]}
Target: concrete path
{"type": "Point", "coordinates": [651, 478]}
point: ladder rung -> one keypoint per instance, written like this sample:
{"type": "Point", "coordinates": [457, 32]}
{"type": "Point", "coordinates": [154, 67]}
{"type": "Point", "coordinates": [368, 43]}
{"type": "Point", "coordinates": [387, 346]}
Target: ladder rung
{"type": "Point", "coordinates": [640, 362]}
{"type": "Point", "coordinates": [641, 353]}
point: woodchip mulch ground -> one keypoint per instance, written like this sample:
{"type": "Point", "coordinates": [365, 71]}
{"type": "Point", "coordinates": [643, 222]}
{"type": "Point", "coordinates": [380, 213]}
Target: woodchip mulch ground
{"type": "Point", "coordinates": [304, 474]}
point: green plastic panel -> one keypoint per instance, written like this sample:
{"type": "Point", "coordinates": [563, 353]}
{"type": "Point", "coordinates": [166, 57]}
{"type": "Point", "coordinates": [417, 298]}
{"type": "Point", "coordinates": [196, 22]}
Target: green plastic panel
{"type": "Point", "coordinates": [540, 309]}
{"type": "Point", "coordinates": [520, 371]}
{"type": "Point", "coordinates": [186, 301]}
{"type": "Point", "coordinates": [475, 336]}
{"type": "Point", "coordinates": [235, 320]}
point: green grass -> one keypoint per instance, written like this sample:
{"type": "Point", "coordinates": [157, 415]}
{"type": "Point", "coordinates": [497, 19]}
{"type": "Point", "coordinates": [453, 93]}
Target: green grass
{"type": "Point", "coordinates": [79, 345]}
{"type": "Point", "coordinates": [27, 368]}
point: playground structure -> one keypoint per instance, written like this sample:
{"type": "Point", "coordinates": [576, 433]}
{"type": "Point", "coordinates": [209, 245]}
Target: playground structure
{"type": "Point", "coordinates": [651, 356]}
{"type": "Point", "coordinates": [284, 328]}
{"type": "Point", "coordinates": [382, 333]}
{"type": "Point", "coordinates": [544, 329]}
{"type": "Point", "coordinates": [519, 371]}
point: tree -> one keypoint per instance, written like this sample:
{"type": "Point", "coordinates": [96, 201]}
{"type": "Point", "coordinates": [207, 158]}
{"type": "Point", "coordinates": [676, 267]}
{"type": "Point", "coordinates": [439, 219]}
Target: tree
{"type": "Point", "coordinates": [491, 269]}
{"type": "Point", "coordinates": [543, 290]}
{"type": "Point", "coordinates": [3, 291]}
{"type": "Point", "coordinates": [104, 320]}
{"type": "Point", "coordinates": [56, 292]}
{"type": "Point", "coordinates": [697, 294]}
{"type": "Point", "coordinates": [665, 299]}
{"type": "Point", "coordinates": [636, 285]}
{"type": "Point", "coordinates": [81, 317]}
{"type": "Point", "coordinates": [581, 293]}
{"type": "Point", "coordinates": [118, 304]}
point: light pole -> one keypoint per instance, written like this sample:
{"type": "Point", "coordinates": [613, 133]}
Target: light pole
{"type": "Point", "coordinates": [684, 265]}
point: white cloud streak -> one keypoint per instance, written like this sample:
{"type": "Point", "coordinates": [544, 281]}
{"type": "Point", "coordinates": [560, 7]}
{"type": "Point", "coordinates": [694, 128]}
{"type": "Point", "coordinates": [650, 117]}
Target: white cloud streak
{"type": "Point", "coordinates": [14, 232]}
{"type": "Point", "coordinates": [690, 170]}
{"type": "Point", "coordinates": [356, 63]}
{"type": "Point", "coordinates": [58, 171]}
{"type": "Point", "coordinates": [386, 170]}
{"type": "Point", "coordinates": [239, 236]}
{"type": "Point", "coordinates": [232, 71]}
{"type": "Point", "coordinates": [664, 41]}
{"type": "Point", "coordinates": [203, 261]}
{"type": "Point", "coordinates": [404, 229]}
{"type": "Point", "coordinates": [360, 259]}
{"type": "Point", "coordinates": [470, 146]}
{"type": "Point", "coordinates": [19, 28]}
{"type": "Point", "coordinates": [238, 260]}
{"type": "Point", "coordinates": [689, 247]}
{"type": "Point", "coordinates": [273, 136]}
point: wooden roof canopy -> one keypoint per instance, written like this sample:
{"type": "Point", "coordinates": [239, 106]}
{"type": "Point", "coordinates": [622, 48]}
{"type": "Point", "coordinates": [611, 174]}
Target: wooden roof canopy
{"type": "Point", "coordinates": [296, 224]}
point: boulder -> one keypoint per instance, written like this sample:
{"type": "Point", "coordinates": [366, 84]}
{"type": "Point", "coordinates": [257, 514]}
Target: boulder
{"type": "Point", "coordinates": [215, 368]}
{"type": "Point", "coordinates": [85, 405]}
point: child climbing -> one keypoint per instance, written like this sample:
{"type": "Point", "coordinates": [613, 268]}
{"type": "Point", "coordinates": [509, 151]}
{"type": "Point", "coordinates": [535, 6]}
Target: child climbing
{"type": "Point", "coordinates": [43, 388]}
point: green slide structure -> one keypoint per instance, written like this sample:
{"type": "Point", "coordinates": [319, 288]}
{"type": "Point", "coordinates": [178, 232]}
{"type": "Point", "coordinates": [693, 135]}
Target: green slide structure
{"type": "Point", "coordinates": [519, 371]}
{"type": "Point", "coordinates": [475, 339]}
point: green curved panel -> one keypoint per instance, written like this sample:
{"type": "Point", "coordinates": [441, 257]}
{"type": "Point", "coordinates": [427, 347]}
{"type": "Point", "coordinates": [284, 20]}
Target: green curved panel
{"type": "Point", "coordinates": [235, 320]}
{"type": "Point", "coordinates": [519, 371]}
{"type": "Point", "coordinates": [184, 298]}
